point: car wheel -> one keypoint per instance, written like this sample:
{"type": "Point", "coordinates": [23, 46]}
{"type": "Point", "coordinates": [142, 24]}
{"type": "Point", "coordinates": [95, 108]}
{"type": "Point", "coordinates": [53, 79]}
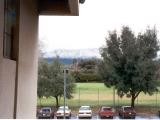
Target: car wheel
{"type": "Point", "coordinates": [120, 115]}
{"type": "Point", "coordinates": [123, 117]}
{"type": "Point", "coordinates": [52, 117]}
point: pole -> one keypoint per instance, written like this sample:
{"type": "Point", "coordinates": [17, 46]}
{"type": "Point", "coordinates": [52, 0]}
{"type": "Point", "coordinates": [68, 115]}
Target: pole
{"type": "Point", "coordinates": [156, 99]}
{"type": "Point", "coordinates": [114, 97]}
{"type": "Point", "coordinates": [79, 96]}
{"type": "Point", "coordinates": [40, 101]}
{"type": "Point", "coordinates": [98, 96]}
{"type": "Point", "coordinates": [64, 92]}
{"type": "Point", "coordinates": [118, 100]}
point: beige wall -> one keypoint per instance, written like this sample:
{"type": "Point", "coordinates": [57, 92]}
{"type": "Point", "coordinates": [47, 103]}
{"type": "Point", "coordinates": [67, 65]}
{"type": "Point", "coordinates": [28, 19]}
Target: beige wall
{"type": "Point", "coordinates": [28, 60]}
{"type": "Point", "coordinates": [7, 87]}
{"type": "Point", "coordinates": [26, 91]}
{"type": "Point", "coordinates": [7, 75]}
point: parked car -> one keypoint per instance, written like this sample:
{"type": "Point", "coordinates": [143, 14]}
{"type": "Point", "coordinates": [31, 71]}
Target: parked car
{"type": "Point", "coordinates": [45, 112]}
{"type": "Point", "coordinates": [60, 112]}
{"type": "Point", "coordinates": [106, 112]}
{"type": "Point", "coordinates": [85, 112]}
{"type": "Point", "coordinates": [127, 112]}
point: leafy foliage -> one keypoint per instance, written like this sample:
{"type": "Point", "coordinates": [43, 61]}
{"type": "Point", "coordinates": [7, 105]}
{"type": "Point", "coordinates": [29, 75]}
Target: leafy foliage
{"type": "Point", "coordinates": [50, 81]}
{"type": "Point", "coordinates": [87, 71]}
{"type": "Point", "coordinates": [129, 62]}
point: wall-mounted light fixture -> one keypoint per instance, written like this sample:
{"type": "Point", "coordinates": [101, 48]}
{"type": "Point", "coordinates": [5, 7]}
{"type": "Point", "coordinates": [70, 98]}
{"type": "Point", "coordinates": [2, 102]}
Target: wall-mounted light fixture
{"type": "Point", "coordinates": [81, 1]}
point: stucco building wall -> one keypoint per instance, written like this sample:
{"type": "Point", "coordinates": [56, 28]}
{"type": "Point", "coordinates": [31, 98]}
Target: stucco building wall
{"type": "Point", "coordinates": [24, 69]}
{"type": "Point", "coordinates": [7, 75]}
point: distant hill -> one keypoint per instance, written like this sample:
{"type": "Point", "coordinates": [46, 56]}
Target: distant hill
{"type": "Point", "coordinates": [79, 53]}
{"type": "Point", "coordinates": [66, 61]}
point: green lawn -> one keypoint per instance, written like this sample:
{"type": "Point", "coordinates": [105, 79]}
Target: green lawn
{"type": "Point", "coordinates": [96, 94]}
{"type": "Point", "coordinates": [92, 87]}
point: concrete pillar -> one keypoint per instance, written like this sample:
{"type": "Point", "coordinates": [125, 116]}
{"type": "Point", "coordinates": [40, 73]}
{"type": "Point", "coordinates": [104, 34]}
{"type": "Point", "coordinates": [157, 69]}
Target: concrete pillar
{"type": "Point", "coordinates": [74, 7]}
{"type": "Point", "coordinates": [27, 64]}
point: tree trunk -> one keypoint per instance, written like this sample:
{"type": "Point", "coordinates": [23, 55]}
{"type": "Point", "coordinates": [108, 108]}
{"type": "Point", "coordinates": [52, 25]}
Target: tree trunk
{"type": "Point", "coordinates": [133, 100]}
{"type": "Point", "coordinates": [57, 102]}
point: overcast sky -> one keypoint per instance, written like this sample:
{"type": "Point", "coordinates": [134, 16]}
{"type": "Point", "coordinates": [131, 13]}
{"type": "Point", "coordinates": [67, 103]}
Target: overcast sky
{"type": "Point", "coordinates": [96, 18]}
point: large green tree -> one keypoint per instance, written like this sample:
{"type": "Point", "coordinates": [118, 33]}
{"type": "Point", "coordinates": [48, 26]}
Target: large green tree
{"type": "Point", "coordinates": [43, 74]}
{"type": "Point", "coordinates": [50, 81]}
{"type": "Point", "coordinates": [130, 62]}
{"type": "Point", "coordinates": [86, 70]}
{"type": "Point", "coordinates": [56, 79]}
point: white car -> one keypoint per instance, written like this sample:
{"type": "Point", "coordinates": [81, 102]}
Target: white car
{"type": "Point", "coordinates": [60, 112]}
{"type": "Point", "coordinates": [85, 112]}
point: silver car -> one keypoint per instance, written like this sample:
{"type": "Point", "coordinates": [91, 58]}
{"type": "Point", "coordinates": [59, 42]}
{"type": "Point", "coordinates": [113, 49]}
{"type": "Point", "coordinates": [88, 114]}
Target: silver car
{"type": "Point", "coordinates": [60, 112]}
{"type": "Point", "coordinates": [85, 112]}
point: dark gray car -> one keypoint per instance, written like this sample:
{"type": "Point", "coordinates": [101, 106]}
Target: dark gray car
{"type": "Point", "coordinates": [45, 112]}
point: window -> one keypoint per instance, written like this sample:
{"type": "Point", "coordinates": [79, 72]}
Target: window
{"type": "Point", "coordinates": [9, 27]}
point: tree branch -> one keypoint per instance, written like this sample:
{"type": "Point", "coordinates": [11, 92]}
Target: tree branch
{"type": "Point", "coordinates": [137, 94]}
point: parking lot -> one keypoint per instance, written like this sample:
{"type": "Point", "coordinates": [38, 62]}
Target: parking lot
{"type": "Point", "coordinates": [138, 117]}
{"type": "Point", "coordinates": [117, 117]}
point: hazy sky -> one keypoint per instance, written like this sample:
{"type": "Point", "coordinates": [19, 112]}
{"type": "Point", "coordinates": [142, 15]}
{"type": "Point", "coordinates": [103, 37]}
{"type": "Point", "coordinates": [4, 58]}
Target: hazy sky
{"type": "Point", "coordinates": [96, 18]}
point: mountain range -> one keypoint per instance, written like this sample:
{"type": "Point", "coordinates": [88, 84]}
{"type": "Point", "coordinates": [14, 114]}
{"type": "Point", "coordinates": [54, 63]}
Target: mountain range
{"type": "Point", "coordinates": [77, 53]}
{"type": "Point", "coordinates": [67, 56]}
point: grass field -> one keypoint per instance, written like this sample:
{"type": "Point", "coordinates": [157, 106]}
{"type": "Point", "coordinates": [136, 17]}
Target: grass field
{"type": "Point", "coordinates": [96, 94]}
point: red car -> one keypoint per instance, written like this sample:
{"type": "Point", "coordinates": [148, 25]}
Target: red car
{"type": "Point", "coordinates": [106, 112]}
{"type": "Point", "coordinates": [127, 112]}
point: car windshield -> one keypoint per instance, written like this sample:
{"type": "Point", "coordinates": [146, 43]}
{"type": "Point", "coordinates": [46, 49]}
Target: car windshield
{"type": "Point", "coordinates": [128, 108]}
{"type": "Point", "coordinates": [106, 109]}
{"type": "Point", "coordinates": [46, 110]}
{"type": "Point", "coordinates": [85, 108]}
{"type": "Point", "coordinates": [62, 108]}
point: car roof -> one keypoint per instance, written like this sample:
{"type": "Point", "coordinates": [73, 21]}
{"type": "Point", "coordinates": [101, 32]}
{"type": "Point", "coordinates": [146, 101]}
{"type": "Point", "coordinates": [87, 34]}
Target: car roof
{"type": "Point", "coordinates": [46, 108]}
{"type": "Point", "coordinates": [85, 106]}
{"type": "Point", "coordinates": [63, 107]}
{"type": "Point", "coordinates": [105, 107]}
{"type": "Point", "coordinates": [125, 106]}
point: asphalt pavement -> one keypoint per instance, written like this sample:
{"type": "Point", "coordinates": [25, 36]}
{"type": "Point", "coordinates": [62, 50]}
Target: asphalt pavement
{"type": "Point", "coordinates": [94, 117]}
{"type": "Point", "coordinates": [138, 117]}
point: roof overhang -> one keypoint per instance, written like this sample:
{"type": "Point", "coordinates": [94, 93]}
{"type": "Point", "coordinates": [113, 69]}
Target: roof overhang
{"type": "Point", "coordinates": [59, 7]}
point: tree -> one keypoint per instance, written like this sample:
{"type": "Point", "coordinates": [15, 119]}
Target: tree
{"type": "Point", "coordinates": [50, 81]}
{"type": "Point", "coordinates": [57, 84]}
{"type": "Point", "coordinates": [129, 62]}
{"type": "Point", "coordinates": [86, 70]}
{"type": "Point", "coordinates": [43, 74]}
